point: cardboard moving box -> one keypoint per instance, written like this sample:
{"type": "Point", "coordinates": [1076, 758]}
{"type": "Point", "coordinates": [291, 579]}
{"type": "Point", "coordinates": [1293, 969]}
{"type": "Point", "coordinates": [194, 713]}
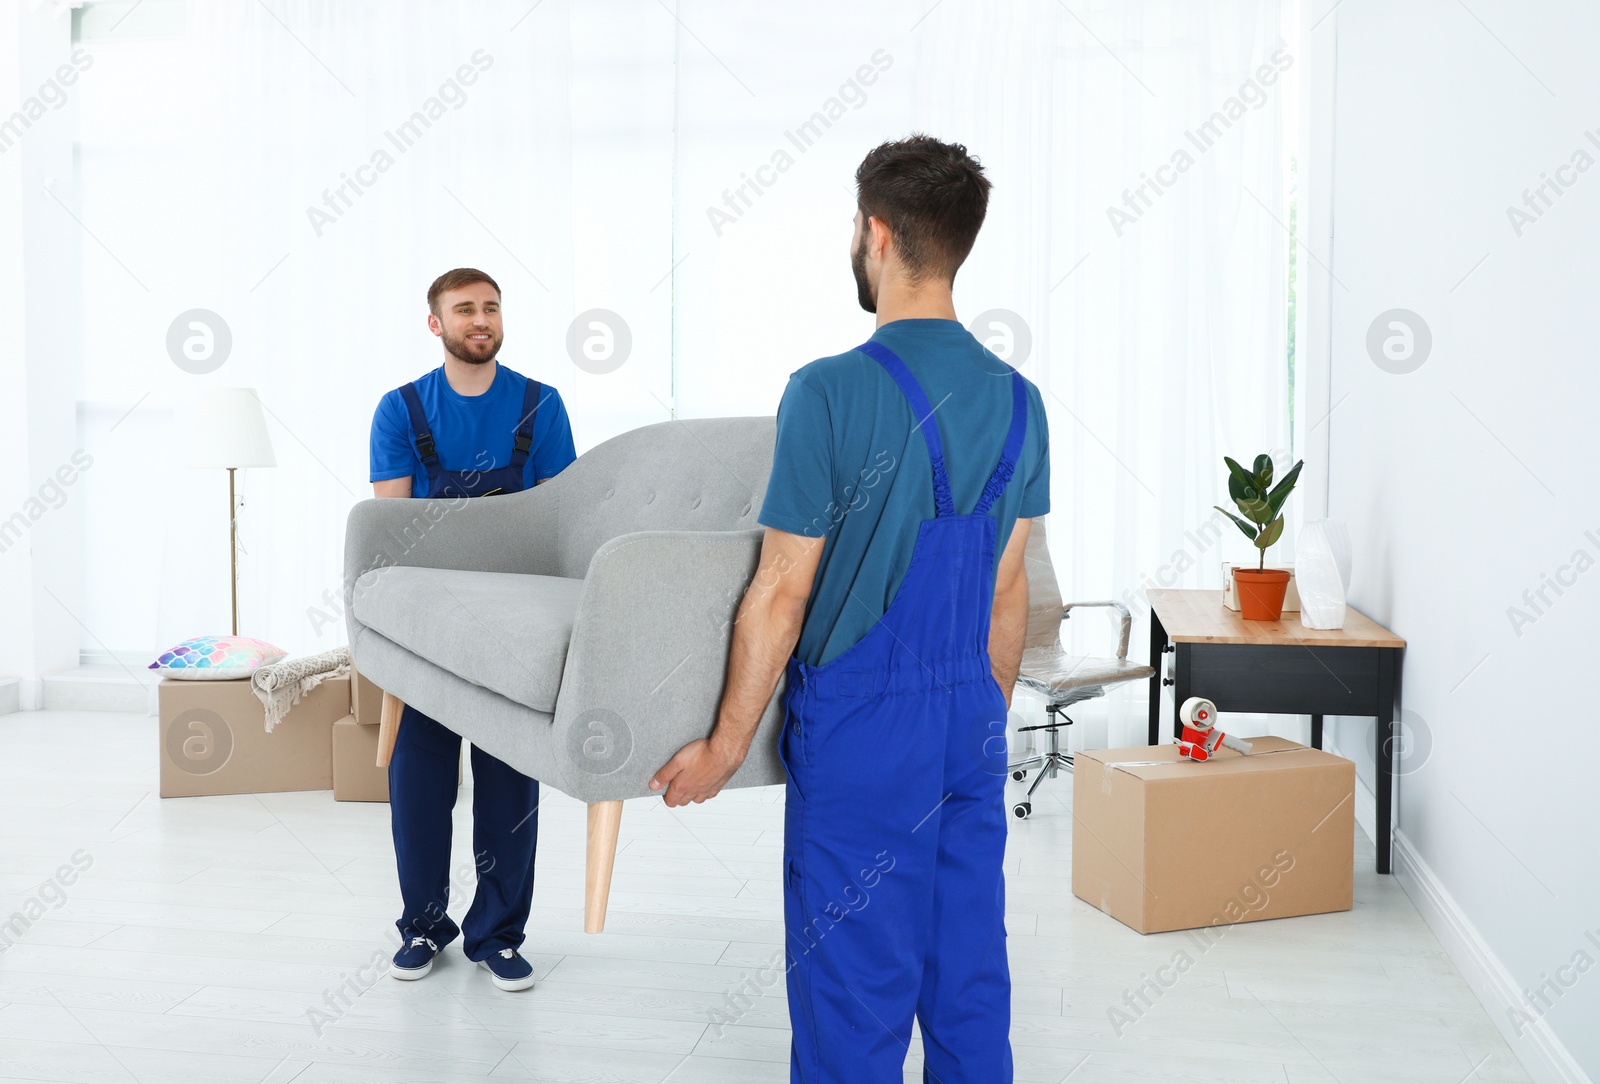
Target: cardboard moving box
{"type": "Point", "coordinates": [1163, 843]}
{"type": "Point", "coordinates": [366, 699]}
{"type": "Point", "coordinates": [356, 775]}
{"type": "Point", "coordinates": [214, 739]}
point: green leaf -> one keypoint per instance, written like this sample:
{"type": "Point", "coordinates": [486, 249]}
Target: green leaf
{"type": "Point", "coordinates": [1241, 483]}
{"type": "Point", "coordinates": [1280, 492]}
{"type": "Point", "coordinates": [1263, 471]}
{"type": "Point", "coordinates": [1270, 534]}
{"type": "Point", "coordinates": [1256, 510]}
{"type": "Point", "coordinates": [1249, 531]}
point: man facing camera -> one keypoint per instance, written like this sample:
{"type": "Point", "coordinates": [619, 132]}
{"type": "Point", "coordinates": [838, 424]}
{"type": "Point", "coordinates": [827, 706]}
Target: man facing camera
{"type": "Point", "coordinates": [470, 428]}
{"type": "Point", "coordinates": [904, 478]}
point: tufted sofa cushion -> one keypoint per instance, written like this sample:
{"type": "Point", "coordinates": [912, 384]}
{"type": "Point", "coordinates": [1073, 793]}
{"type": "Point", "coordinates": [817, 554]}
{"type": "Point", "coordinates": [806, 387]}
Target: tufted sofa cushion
{"type": "Point", "coordinates": [708, 475]}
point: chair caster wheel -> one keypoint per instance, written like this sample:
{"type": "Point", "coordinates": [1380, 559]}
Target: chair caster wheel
{"type": "Point", "coordinates": [1022, 809]}
{"type": "Point", "coordinates": [1019, 775]}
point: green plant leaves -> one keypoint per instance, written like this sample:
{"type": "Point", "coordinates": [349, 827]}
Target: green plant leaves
{"type": "Point", "coordinates": [1256, 510]}
{"type": "Point", "coordinates": [1263, 471]}
{"type": "Point", "coordinates": [1280, 492]}
{"type": "Point", "coordinates": [1241, 483]}
{"type": "Point", "coordinates": [1249, 531]}
{"type": "Point", "coordinates": [1252, 490]}
{"type": "Point", "coordinates": [1269, 534]}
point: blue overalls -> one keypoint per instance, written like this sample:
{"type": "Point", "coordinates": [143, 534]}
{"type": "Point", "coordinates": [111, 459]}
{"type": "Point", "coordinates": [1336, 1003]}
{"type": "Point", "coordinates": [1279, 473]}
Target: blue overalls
{"type": "Point", "coordinates": [423, 771]}
{"type": "Point", "coordinates": [895, 822]}
{"type": "Point", "coordinates": [473, 483]}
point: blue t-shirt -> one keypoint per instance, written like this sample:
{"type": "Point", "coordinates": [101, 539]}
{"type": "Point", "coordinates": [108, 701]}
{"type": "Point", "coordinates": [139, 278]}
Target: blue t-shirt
{"type": "Point", "coordinates": [470, 432]}
{"type": "Point", "coordinates": [850, 467]}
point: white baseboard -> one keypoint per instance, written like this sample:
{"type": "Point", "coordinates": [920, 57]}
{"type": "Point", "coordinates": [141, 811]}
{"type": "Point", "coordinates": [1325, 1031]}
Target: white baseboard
{"type": "Point", "coordinates": [131, 660]}
{"type": "Point", "coordinates": [97, 689]}
{"type": "Point", "coordinates": [1541, 1052]}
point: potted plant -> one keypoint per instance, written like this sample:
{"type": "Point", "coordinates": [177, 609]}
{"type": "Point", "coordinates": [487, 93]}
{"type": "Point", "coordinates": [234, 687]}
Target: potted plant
{"type": "Point", "coordinates": [1261, 589]}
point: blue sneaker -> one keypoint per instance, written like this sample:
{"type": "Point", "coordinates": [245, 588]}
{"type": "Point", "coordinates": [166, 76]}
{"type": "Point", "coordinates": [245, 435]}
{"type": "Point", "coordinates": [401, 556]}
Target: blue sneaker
{"type": "Point", "coordinates": [415, 959]}
{"type": "Point", "coordinates": [509, 970]}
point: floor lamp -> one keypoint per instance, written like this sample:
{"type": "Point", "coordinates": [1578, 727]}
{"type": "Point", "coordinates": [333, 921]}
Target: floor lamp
{"type": "Point", "coordinates": [227, 428]}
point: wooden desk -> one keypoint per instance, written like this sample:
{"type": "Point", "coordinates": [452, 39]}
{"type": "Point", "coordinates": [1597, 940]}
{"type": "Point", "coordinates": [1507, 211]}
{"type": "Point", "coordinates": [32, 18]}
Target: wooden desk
{"type": "Point", "coordinates": [1280, 667]}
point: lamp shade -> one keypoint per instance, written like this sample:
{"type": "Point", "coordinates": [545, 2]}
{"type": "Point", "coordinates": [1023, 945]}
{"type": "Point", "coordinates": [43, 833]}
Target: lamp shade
{"type": "Point", "coordinates": [226, 427]}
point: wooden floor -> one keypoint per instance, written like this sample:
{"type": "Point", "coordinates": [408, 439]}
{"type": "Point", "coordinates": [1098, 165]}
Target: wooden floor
{"type": "Point", "coordinates": [210, 937]}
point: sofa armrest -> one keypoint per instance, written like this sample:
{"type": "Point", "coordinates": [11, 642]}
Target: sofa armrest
{"type": "Point", "coordinates": [648, 659]}
{"type": "Point", "coordinates": [515, 532]}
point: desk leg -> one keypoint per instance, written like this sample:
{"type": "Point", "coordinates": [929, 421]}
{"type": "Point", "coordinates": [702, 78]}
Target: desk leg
{"type": "Point", "coordinates": [1385, 748]}
{"type": "Point", "coordinates": [1316, 732]}
{"type": "Point", "coordinates": [1181, 687]}
{"type": "Point", "coordinates": [1158, 642]}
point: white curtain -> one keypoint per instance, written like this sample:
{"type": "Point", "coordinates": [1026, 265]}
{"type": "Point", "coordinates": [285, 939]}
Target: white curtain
{"type": "Point", "coordinates": [667, 163]}
{"type": "Point", "coordinates": [303, 170]}
{"type": "Point", "coordinates": [1159, 343]}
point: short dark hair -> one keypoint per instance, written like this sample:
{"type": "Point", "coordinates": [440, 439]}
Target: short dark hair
{"type": "Point", "coordinates": [455, 280]}
{"type": "Point", "coordinates": [931, 195]}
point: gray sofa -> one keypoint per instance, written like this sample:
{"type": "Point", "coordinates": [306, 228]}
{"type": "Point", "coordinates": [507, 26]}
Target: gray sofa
{"type": "Point", "coordinates": [579, 630]}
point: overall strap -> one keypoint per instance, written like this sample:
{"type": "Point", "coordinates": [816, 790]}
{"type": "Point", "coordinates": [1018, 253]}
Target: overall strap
{"type": "Point", "coordinates": [524, 435]}
{"type": "Point", "coordinates": [943, 504]}
{"type": "Point", "coordinates": [420, 433]}
{"type": "Point", "coordinates": [1013, 449]}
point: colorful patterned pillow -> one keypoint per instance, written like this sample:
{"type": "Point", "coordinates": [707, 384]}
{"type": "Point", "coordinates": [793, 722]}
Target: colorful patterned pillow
{"type": "Point", "coordinates": [216, 658]}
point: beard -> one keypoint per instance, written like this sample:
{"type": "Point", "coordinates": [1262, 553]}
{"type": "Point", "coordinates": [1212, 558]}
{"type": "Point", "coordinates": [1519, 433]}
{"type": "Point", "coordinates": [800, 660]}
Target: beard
{"type": "Point", "coordinates": [858, 264]}
{"type": "Point", "coordinates": [473, 353]}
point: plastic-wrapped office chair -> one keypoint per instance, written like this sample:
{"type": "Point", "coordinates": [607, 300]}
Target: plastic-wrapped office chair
{"type": "Point", "coordinates": [1060, 678]}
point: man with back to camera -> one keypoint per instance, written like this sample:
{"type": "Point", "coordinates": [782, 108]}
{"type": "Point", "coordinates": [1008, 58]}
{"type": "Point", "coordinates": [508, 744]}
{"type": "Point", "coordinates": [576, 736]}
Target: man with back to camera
{"type": "Point", "coordinates": [470, 428]}
{"type": "Point", "coordinates": [904, 478]}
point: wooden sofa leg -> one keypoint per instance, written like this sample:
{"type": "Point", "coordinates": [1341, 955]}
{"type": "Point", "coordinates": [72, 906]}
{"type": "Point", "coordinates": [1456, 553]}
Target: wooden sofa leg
{"type": "Point", "coordinates": [604, 820]}
{"type": "Point", "coordinates": [388, 727]}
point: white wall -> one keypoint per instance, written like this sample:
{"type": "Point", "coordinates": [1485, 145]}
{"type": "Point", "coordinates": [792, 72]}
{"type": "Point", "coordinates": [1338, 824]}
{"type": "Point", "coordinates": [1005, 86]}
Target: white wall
{"type": "Point", "coordinates": [1469, 480]}
{"type": "Point", "coordinates": [16, 572]}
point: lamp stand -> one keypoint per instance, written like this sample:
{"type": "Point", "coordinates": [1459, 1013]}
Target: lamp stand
{"type": "Point", "coordinates": [233, 550]}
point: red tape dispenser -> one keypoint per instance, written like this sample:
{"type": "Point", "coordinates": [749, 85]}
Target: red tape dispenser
{"type": "Point", "coordinates": [1200, 734]}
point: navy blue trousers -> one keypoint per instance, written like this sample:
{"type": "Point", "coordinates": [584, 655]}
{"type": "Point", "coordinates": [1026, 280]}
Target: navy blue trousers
{"type": "Point", "coordinates": [505, 831]}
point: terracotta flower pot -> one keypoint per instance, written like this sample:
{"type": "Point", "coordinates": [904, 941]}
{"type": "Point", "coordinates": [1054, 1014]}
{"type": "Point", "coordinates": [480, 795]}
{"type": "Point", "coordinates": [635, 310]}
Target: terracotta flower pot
{"type": "Point", "coordinates": [1261, 592]}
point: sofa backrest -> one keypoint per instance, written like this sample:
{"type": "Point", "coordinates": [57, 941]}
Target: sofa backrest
{"type": "Point", "coordinates": [693, 474]}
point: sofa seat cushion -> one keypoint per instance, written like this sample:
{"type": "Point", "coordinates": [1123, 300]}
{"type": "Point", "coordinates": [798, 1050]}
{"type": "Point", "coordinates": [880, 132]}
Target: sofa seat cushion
{"type": "Point", "coordinates": [504, 631]}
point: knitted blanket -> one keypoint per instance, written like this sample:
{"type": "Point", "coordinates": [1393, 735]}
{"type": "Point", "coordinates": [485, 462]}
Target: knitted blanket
{"type": "Point", "coordinates": [280, 685]}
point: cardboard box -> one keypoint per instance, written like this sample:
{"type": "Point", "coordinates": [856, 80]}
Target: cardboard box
{"type": "Point", "coordinates": [356, 776]}
{"type": "Point", "coordinates": [1230, 597]}
{"type": "Point", "coordinates": [366, 699]}
{"type": "Point", "coordinates": [1163, 843]}
{"type": "Point", "coordinates": [214, 739]}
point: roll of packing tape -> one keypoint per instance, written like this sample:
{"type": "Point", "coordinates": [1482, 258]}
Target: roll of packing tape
{"type": "Point", "coordinates": [1198, 712]}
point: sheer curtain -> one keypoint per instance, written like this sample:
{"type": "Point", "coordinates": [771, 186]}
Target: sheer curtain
{"type": "Point", "coordinates": [687, 168]}
{"type": "Point", "coordinates": [1157, 334]}
{"type": "Point", "coordinates": [302, 170]}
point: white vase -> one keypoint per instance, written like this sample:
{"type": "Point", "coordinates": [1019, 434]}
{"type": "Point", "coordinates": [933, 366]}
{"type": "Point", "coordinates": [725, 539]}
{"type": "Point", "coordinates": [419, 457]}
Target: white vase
{"type": "Point", "coordinates": [1322, 572]}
